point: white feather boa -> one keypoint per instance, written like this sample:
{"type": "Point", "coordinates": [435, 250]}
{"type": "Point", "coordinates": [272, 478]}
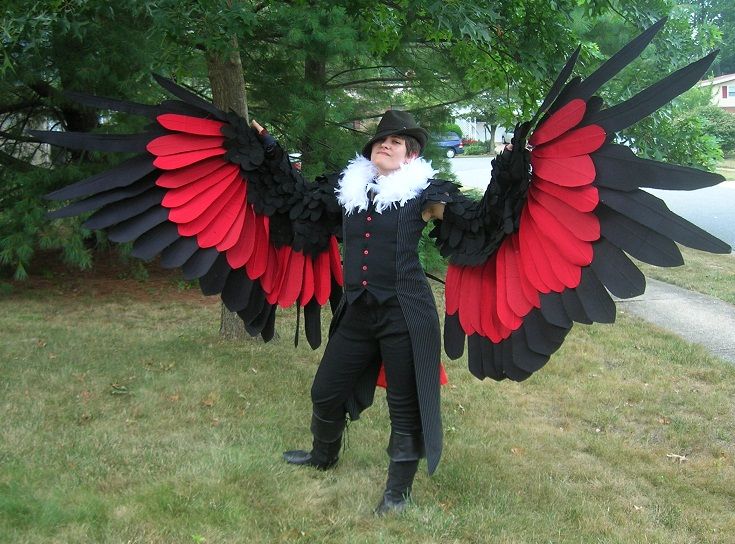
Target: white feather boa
{"type": "Point", "coordinates": [361, 176]}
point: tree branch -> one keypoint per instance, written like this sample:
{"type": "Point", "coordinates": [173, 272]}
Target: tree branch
{"type": "Point", "coordinates": [334, 76]}
{"type": "Point", "coordinates": [20, 106]}
{"type": "Point", "coordinates": [368, 80]}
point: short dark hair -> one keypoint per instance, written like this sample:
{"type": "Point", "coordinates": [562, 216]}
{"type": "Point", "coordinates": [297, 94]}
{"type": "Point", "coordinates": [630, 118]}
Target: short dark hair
{"type": "Point", "coordinates": [413, 147]}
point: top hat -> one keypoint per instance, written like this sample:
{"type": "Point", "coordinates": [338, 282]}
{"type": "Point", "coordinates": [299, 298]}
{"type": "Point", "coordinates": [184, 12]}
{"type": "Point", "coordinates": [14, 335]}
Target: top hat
{"type": "Point", "coordinates": [396, 122]}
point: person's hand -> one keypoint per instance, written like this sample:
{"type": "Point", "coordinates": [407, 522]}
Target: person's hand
{"type": "Point", "coordinates": [264, 136]}
{"type": "Point", "coordinates": [256, 126]}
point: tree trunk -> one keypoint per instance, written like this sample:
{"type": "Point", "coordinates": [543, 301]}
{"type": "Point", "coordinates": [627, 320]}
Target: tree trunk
{"type": "Point", "coordinates": [228, 93]}
{"type": "Point", "coordinates": [493, 128]}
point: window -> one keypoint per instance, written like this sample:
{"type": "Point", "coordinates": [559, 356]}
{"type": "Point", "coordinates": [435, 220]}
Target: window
{"type": "Point", "coordinates": [731, 91]}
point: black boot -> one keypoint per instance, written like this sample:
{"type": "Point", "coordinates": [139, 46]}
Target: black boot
{"type": "Point", "coordinates": [404, 450]}
{"type": "Point", "coordinates": [325, 449]}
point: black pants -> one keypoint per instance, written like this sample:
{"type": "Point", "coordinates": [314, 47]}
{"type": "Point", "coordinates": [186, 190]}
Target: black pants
{"type": "Point", "coordinates": [369, 332]}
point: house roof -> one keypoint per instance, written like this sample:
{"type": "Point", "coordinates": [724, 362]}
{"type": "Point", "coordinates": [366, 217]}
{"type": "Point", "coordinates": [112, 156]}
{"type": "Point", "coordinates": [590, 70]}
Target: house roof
{"type": "Point", "coordinates": [724, 78]}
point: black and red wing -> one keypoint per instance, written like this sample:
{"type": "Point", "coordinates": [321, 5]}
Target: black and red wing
{"type": "Point", "coordinates": [204, 194]}
{"type": "Point", "coordinates": [582, 213]}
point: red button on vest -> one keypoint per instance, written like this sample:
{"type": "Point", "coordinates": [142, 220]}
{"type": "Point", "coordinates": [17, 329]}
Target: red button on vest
{"type": "Point", "coordinates": [364, 267]}
{"type": "Point", "coordinates": [364, 283]}
{"type": "Point", "coordinates": [367, 235]}
{"type": "Point", "coordinates": [365, 252]}
{"type": "Point", "coordinates": [369, 218]}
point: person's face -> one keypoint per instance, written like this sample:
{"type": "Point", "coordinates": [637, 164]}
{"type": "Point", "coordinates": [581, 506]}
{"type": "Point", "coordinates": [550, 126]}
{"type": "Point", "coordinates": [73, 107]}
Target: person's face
{"type": "Point", "coordinates": [389, 154]}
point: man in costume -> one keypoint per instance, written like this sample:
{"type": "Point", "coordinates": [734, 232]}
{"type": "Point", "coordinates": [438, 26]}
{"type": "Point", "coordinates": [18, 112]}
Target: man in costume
{"type": "Point", "coordinates": [387, 313]}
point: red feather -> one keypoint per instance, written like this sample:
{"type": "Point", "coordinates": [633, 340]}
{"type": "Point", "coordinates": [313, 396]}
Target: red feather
{"type": "Point", "coordinates": [322, 278]}
{"type": "Point", "coordinates": [174, 144]}
{"type": "Point", "coordinates": [180, 196]}
{"type": "Point", "coordinates": [563, 271]}
{"type": "Point", "coordinates": [179, 178]}
{"type": "Point", "coordinates": [492, 328]}
{"type": "Point", "coordinates": [180, 160]}
{"type": "Point", "coordinates": [515, 293]}
{"type": "Point", "coordinates": [292, 280]}
{"type": "Point", "coordinates": [258, 261]}
{"type": "Point", "coordinates": [335, 260]}
{"type": "Point", "coordinates": [505, 312]}
{"type": "Point", "coordinates": [239, 254]}
{"type": "Point", "coordinates": [584, 225]}
{"type": "Point", "coordinates": [452, 288]}
{"type": "Point", "coordinates": [307, 284]}
{"type": "Point", "coordinates": [216, 231]}
{"type": "Point", "coordinates": [581, 141]}
{"type": "Point", "coordinates": [233, 235]}
{"type": "Point", "coordinates": [562, 241]}
{"type": "Point", "coordinates": [468, 316]}
{"type": "Point", "coordinates": [532, 271]}
{"type": "Point", "coordinates": [566, 171]}
{"type": "Point", "coordinates": [537, 253]}
{"type": "Point", "coordinates": [198, 205]}
{"type": "Point", "coordinates": [584, 198]}
{"type": "Point", "coordinates": [269, 280]}
{"type": "Point", "coordinates": [209, 214]}
{"type": "Point", "coordinates": [529, 291]}
{"type": "Point", "coordinates": [191, 125]}
{"type": "Point", "coordinates": [565, 118]}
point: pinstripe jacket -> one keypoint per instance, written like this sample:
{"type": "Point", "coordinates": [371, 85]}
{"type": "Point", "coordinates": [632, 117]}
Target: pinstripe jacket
{"type": "Point", "coordinates": [419, 309]}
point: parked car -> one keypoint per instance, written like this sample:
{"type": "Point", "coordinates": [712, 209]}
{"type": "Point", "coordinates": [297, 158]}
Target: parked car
{"type": "Point", "coordinates": [450, 142]}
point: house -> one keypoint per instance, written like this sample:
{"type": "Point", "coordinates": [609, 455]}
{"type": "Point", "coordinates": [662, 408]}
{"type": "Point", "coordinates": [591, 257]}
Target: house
{"type": "Point", "coordinates": [723, 91]}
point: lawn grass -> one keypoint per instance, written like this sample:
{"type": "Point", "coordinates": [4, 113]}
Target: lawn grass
{"type": "Point", "coordinates": [727, 167]}
{"type": "Point", "coordinates": [126, 419]}
{"type": "Point", "coordinates": [705, 273]}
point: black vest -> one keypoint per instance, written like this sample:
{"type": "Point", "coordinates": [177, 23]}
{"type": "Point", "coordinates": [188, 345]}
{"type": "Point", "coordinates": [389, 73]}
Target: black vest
{"type": "Point", "coordinates": [369, 243]}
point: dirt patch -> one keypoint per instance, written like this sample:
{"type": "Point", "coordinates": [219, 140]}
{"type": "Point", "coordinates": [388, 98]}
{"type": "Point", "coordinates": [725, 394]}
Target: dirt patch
{"type": "Point", "coordinates": [110, 277]}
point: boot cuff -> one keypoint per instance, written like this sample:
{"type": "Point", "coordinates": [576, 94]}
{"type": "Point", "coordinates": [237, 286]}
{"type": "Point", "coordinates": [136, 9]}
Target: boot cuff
{"type": "Point", "coordinates": [405, 447]}
{"type": "Point", "coordinates": [325, 430]}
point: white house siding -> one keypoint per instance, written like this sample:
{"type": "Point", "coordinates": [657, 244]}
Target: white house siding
{"type": "Point", "coordinates": [723, 91]}
{"type": "Point", "coordinates": [475, 130]}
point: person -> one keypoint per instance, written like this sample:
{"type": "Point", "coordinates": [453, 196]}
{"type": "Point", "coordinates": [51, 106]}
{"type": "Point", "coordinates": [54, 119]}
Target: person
{"type": "Point", "coordinates": [387, 313]}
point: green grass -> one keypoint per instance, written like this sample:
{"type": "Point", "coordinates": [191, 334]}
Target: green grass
{"type": "Point", "coordinates": [126, 419]}
{"type": "Point", "coordinates": [702, 272]}
{"type": "Point", "coordinates": [727, 168]}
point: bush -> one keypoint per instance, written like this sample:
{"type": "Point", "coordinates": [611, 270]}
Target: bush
{"type": "Point", "coordinates": [479, 148]}
{"type": "Point", "coordinates": [451, 127]}
{"type": "Point", "coordinates": [719, 124]}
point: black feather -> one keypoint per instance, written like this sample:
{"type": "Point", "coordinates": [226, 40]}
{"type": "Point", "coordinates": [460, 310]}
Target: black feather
{"type": "Point", "coordinates": [200, 263]}
{"type": "Point", "coordinates": [617, 167]}
{"type": "Point", "coordinates": [652, 212]}
{"type": "Point", "coordinates": [213, 282]}
{"type": "Point", "coordinates": [616, 271]}
{"type": "Point", "coordinates": [122, 175]}
{"type": "Point", "coordinates": [637, 240]}
{"type": "Point", "coordinates": [188, 97]}
{"type": "Point", "coordinates": [120, 211]}
{"type": "Point", "coordinates": [237, 290]}
{"type": "Point", "coordinates": [312, 323]}
{"type": "Point", "coordinates": [595, 300]}
{"type": "Point", "coordinates": [102, 199]}
{"type": "Point", "coordinates": [179, 252]}
{"type": "Point", "coordinates": [129, 230]}
{"type": "Point", "coordinates": [453, 336]}
{"type": "Point", "coordinates": [151, 243]}
{"type": "Point", "coordinates": [646, 102]}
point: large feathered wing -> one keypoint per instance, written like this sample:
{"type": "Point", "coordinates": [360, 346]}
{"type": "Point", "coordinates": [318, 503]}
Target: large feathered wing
{"type": "Point", "coordinates": [553, 235]}
{"type": "Point", "coordinates": [204, 194]}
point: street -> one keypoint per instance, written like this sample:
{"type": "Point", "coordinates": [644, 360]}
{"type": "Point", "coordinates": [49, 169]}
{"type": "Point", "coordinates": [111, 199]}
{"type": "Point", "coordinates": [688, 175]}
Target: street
{"type": "Point", "coordinates": [712, 209]}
